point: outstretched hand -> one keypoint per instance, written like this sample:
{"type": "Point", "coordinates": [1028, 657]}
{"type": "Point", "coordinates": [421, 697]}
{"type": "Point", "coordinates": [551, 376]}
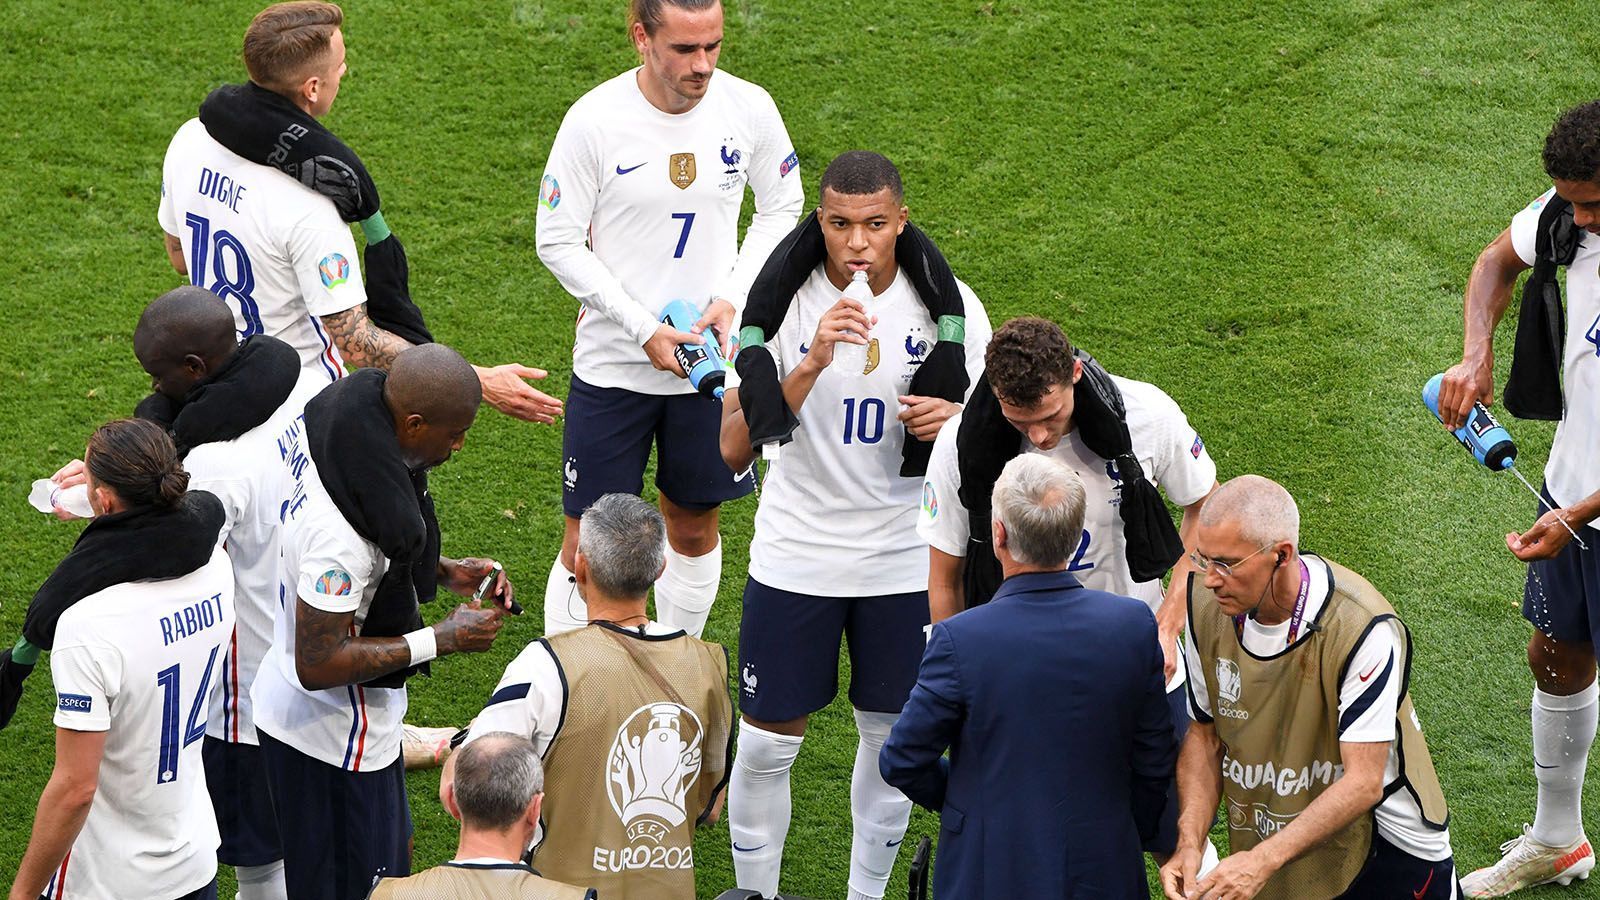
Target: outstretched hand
{"type": "Point", "coordinates": [505, 390]}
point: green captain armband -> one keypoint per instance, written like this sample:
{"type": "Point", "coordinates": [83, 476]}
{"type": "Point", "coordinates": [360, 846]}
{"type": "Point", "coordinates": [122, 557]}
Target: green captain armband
{"type": "Point", "coordinates": [752, 336]}
{"type": "Point", "coordinates": [24, 653]}
{"type": "Point", "coordinates": [375, 228]}
{"type": "Point", "coordinates": [953, 328]}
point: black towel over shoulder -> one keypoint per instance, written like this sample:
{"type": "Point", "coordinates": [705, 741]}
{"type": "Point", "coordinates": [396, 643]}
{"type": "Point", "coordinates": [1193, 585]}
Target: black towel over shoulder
{"type": "Point", "coordinates": [267, 129]}
{"type": "Point", "coordinates": [350, 434]}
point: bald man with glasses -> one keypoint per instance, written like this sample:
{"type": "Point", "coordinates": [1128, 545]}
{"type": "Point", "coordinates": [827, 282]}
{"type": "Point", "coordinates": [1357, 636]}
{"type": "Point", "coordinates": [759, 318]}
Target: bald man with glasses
{"type": "Point", "coordinates": [1303, 724]}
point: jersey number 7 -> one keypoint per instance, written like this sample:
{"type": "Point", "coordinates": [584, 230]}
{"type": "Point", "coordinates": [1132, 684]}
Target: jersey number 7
{"type": "Point", "coordinates": [171, 742]}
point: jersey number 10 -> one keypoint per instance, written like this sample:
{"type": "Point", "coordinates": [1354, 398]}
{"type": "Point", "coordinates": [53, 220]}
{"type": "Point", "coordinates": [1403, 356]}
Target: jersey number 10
{"type": "Point", "coordinates": [234, 285]}
{"type": "Point", "coordinates": [172, 743]}
{"type": "Point", "coordinates": [864, 422]}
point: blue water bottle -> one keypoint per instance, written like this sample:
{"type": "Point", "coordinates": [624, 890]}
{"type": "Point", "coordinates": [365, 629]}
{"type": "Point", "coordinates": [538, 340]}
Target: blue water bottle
{"type": "Point", "coordinates": [702, 362]}
{"type": "Point", "coordinates": [1482, 435]}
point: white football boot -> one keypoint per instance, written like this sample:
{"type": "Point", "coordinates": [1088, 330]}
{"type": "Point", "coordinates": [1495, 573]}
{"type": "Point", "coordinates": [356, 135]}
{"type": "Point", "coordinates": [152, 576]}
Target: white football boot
{"type": "Point", "coordinates": [1525, 863]}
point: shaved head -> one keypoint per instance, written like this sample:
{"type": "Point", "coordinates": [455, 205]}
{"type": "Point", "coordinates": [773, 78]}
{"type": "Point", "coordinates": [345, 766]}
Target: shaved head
{"type": "Point", "coordinates": [433, 394]}
{"type": "Point", "coordinates": [1260, 508]}
{"type": "Point", "coordinates": [183, 336]}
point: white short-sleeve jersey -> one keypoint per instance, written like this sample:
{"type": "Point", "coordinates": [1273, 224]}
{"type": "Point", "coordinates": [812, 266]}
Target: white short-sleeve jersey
{"type": "Point", "coordinates": [1170, 451]}
{"type": "Point", "coordinates": [276, 253]}
{"type": "Point", "coordinates": [836, 519]}
{"type": "Point", "coordinates": [334, 569]}
{"type": "Point", "coordinates": [1570, 473]}
{"type": "Point", "coordinates": [248, 475]}
{"type": "Point", "coordinates": [638, 207]}
{"type": "Point", "coordinates": [139, 660]}
{"type": "Point", "coordinates": [1369, 699]}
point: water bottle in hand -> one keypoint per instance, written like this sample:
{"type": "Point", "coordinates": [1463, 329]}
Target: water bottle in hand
{"type": "Point", "coordinates": [702, 362]}
{"type": "Point", "coordinates": [849, 358]}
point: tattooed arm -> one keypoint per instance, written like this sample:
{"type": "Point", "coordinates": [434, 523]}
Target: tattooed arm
{"type": "Point", "coordinates": [360, 341]}
{"type": "Point", "coordinates": [327, 652]}
{"type": "Point", "coordinates": [363, 344]}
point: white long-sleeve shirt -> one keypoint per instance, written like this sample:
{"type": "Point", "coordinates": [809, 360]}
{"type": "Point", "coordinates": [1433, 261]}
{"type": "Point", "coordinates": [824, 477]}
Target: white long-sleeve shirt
{"type": "Point", "coordinates": [639, 207]}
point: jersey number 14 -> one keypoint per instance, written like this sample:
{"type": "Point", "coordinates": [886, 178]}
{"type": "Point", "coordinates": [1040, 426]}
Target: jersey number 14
{"type": "Point", "coordinates": [172, 742]}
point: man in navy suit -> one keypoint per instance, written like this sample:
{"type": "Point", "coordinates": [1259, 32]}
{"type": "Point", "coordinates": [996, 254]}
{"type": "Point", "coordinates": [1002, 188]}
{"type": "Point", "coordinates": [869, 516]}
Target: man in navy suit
{"type": "Point", "coordinates": [1050, 700]}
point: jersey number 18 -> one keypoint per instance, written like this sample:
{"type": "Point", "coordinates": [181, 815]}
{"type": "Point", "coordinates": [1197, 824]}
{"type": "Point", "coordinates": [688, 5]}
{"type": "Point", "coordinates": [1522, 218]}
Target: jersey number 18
{"type": "Point", "coordinates": [235, 285]}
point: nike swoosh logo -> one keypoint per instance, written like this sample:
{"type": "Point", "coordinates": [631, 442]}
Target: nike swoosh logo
{"type": "Point", "coordinates": [1541, 765]}
{"type": "Point", "coordinates": [894, 843]}
{"type": "Point", "coordinates": [736, 843]}
{"type": "Point", "coordinates": [622, 171]}
{"type": "Point", "coordinates": [1417, 894]}
{"type": "Point", "coordinates": [1369, 673]}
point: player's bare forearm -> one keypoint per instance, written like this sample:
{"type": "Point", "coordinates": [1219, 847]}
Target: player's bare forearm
{"type": "Point", "coordinates": [733, 439]}
{"type": "Point", "coordinates": [798, 384]}
{"type": "Point", "coordinates": [1488, 295]}
{"type": "Point", "coordinates": [329, 654]}
{"type": "Point", "coordinates": [63, 808]}
{"type": "Point", "coordinates": [1199, 783]}
{"type": "Point", "coordinates": [174, 249]}
{"type": "Point", "coordinates": [1174, 608]}
{"type": "Point", "coordinates": [360, 341]}
{"type": "Point", "coordinates": [946, 590]}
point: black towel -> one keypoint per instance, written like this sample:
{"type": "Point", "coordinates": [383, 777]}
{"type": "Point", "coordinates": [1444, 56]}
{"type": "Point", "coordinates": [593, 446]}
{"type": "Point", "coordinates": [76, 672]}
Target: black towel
{"type": "Point", "coordinates": [350, 434]}
{"type": "Point", "coordinates": [243, 393]}
{"type": "Point", "coordinates": [943, 374]}
{"type": "Point", "coordinates": [134, 545]}
{"type": "Point", "coordinates": [267, 129]}
{"type": "Point", "coordinates": [986, 442]}
{"type": "Point", "coordinates": [1533, 390]}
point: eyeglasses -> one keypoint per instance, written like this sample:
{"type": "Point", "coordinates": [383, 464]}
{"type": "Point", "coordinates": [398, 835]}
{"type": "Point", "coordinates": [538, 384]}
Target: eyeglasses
{"type": "Point", "coordinates": [1224, 569]}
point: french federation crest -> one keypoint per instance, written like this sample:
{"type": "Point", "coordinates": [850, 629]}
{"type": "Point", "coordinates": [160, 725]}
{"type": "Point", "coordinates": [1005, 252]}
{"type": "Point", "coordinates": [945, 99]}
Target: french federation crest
{"type": "Point", "coordinates": [680, 168]}
{"type": "Point", "coordinates": [652, 764]}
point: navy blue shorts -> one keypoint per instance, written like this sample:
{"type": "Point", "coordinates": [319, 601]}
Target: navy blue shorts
{"type": "Point", "coordinates": [606, 442]}
{"type": "Point", "coordinates": [789, 651]}
{"type": "Point", "coordinates": [1392, 873]}
{"type": "Point", "coordinates": [1166, 839]}
{"type": "Point", "coordinates": [340, 829]}
{"type": "Point", "coordinates": [238, 786]}
{"type": "Point", "coordinates": [1561, 596]}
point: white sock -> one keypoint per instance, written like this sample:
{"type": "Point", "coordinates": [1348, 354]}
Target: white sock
{"type": "Point", "coordinates": [687, 588]}
{"type": "Point", "coordinates": [879, 812]}
{"type": "Point", "coordinates": [564, 610]}
{"type": "Point", "coordinates": [758, 806]}
{"type": "Point", "coordinates": [262, 882]}
{"type": "Point", "coordinates": [1563, 730]}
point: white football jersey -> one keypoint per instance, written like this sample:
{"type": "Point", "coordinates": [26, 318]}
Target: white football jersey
{"type": "Point", "coordinates": [836, 519]}
{"type": "Point", "coordinates": [138, 660]}
{"type": "Point", "coordinates": [248, 475]}
{"type": "Point", "coordinates": [1369, 700]}
{"type": "Point", "coordinates": [1570, 473]}
{"type": "Point", "coordinates": [277, 253]}
{"type": "Point", "coordinates": [1169, 450]}
{"type": "Point", "coordinates": [656, 199]}
{"type": "Point", "coordinates": [332, 568]}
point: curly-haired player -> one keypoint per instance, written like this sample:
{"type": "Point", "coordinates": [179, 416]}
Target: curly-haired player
{"type": "Point", "coordinates": [1561, 597]}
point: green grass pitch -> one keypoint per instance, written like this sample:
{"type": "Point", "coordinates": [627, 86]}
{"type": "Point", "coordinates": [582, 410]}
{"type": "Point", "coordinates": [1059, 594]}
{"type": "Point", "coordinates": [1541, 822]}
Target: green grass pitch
{"type": "Point", "coordinates": [1270, 209]}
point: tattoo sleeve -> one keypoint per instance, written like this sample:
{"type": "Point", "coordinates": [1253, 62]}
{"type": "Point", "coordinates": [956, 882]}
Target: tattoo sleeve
{"type": "Point", "coordinates": [360, 341]}
{"type": "Point", "coordinates": [328, 653]}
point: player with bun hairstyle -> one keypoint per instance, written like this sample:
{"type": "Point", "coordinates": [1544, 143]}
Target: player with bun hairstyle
{"type": "Point", "coordinates": [134, 650]}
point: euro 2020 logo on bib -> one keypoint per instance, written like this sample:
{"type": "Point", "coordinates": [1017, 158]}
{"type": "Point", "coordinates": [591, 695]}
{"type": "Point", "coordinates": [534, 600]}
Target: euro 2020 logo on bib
{"type": "Point", "coordinates": [653, 763]}
{"type": "Point", "coordinates": [1228, 681]}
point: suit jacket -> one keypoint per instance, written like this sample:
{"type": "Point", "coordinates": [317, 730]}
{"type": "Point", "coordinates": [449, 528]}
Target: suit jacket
{"type": "Point", "coordinates": [1051, 701]}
